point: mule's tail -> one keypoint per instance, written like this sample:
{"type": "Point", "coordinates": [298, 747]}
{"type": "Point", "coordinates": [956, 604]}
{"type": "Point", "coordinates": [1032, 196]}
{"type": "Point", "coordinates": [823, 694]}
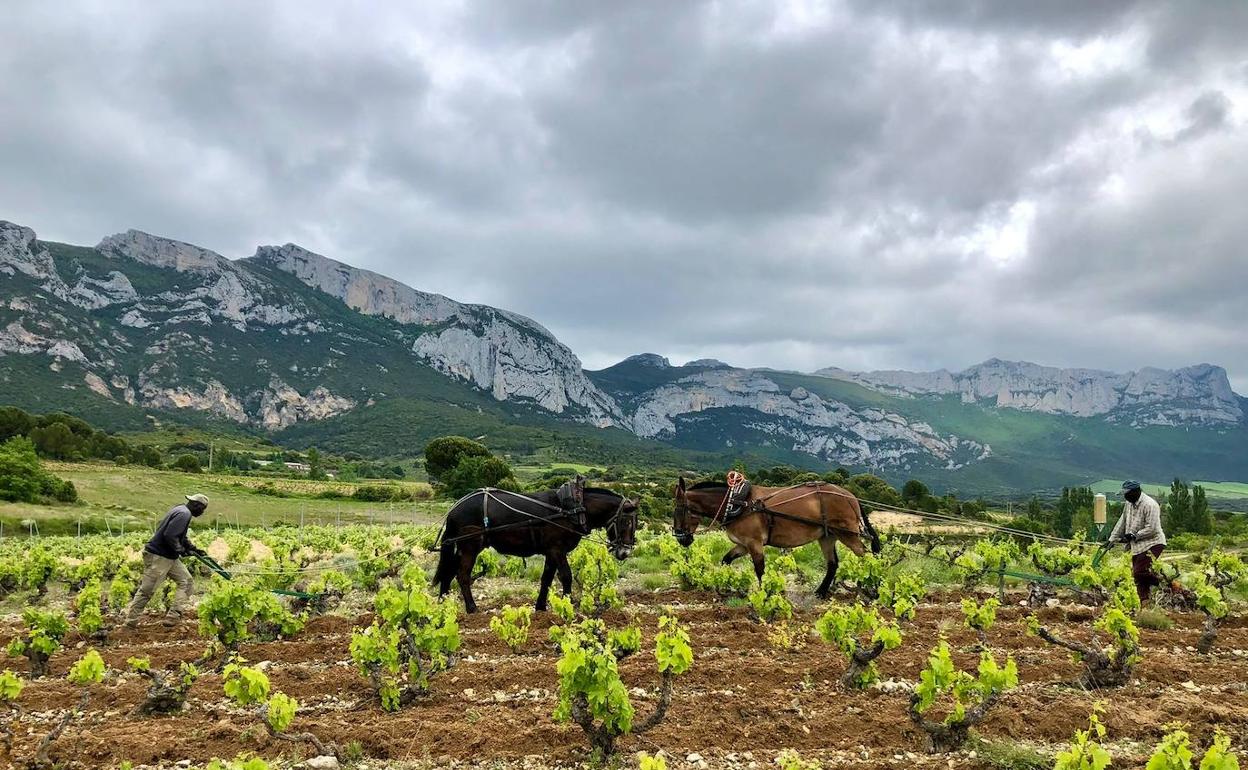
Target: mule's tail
{"type": "Point", "coordinates": [876, 545]}
{"type": "Point", "coordinates": [447, 560]}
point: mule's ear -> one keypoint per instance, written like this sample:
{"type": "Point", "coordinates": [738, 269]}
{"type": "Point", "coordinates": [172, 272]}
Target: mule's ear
{"type": "Point", "coordinates": [681, 484]}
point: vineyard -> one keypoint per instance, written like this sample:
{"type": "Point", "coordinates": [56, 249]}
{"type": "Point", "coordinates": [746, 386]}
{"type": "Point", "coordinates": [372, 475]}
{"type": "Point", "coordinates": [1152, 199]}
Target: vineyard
{"type": "Point", "coordinates": [327, 647]}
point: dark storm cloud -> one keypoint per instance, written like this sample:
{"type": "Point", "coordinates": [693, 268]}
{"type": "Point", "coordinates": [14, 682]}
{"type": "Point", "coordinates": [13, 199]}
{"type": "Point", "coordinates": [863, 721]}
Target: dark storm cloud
{"type": "Point", "coordinates": [791, 185]}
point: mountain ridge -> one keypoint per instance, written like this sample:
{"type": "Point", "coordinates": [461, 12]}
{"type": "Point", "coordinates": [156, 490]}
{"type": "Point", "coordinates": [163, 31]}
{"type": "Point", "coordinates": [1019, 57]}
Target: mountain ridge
{"type": "Point", "coordinates": [1149, 394]}
{"type": "Point", "coordinates": [288, 339]}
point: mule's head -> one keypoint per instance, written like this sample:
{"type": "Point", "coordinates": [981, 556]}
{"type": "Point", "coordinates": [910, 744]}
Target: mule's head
{"type": "Point", "coordinates": [622, 530]}
{"type": "Point", "coordinates": [684, 521]}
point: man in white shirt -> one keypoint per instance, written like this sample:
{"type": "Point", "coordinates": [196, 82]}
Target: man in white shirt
{"type": "Point", "coordinates": [1139, 528]}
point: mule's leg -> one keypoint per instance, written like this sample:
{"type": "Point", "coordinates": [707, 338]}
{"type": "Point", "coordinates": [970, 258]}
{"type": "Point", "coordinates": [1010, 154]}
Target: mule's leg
{"type": "Point", "coordinates": [853, 542]}
{"type": "Point", "coordinates": [548, 576]}
{"type": "Point", "coordinates": [734, 553]}
{"type": "Point", "coordinates": [756, 553]}
{"type": "Point", "coordinates": [467, 560]}
{"type": "Point", "coordinates": [828, 546]}
{"type": "Point", "coordinates": [565, 574]}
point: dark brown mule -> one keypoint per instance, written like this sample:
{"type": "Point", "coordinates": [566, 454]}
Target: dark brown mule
{"type": "Point", "coordinates": [529, 525]}
{"type": "Point", "coordinates": [786, 517]}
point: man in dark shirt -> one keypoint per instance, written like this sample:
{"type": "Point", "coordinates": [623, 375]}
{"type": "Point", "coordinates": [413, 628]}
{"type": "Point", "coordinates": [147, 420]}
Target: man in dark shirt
{"type": "Point", "coordinates": [161, 560]}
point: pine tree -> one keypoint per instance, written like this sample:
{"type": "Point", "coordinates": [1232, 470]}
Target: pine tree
{"type": "Point", "coordinates": [1201, 518]}
{"type": "Point", "coordinates": [1064, 517]}
{"type": "Point", "coordinates": [316, 467]}
{"type": "Point", "coordinates": [1179, 513]}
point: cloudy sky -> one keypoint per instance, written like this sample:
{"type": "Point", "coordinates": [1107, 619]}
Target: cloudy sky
{"type": "Point", "coordinates": [804, 184]}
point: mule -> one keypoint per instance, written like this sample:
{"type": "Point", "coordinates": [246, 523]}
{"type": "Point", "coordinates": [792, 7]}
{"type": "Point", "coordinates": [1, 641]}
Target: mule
{"type": "Point", "coordinates": [517, 524]}
{"type": "Point", "coordinates": [786, 517]}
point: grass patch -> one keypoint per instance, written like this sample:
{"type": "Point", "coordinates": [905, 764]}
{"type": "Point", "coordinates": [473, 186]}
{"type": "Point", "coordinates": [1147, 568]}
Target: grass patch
{"type": "Point", "coordinates": [1012, 756]}
{"type": "Point", "coordinates": [1153, 619]}
{"type": "Point", "coordinates": [646, 564]}
{"type": "Point", "coordinates": [136, 497]}
{"type": "Point", "coordinates": [654, 582]}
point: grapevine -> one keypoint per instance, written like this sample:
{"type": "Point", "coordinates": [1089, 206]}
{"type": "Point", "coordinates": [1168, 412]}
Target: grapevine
{"type": "Point", "coordinates": [42, 637]}
{"type": "Point", "coordinates": [862, 636]}
{"type": "Point", "coordinates": [966, 698]}
{"type": "Point", "coordinates": [1108, 666]}
{"type": "Point", "coordinates": [591, 693]}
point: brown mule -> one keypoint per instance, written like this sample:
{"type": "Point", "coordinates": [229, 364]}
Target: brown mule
{"type": "Point", "coordinates": [785, 517]}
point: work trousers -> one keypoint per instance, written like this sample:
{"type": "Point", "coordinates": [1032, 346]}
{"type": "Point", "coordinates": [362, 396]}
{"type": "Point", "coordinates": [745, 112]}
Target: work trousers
{"type": "Point", "coordinates": [155, 570]}
{"type": "Point", "coordinates": [1142, 571]}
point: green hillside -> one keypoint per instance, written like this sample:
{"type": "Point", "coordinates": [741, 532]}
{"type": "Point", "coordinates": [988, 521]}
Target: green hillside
{"type": "Point", "coordinates": [1038, 451]}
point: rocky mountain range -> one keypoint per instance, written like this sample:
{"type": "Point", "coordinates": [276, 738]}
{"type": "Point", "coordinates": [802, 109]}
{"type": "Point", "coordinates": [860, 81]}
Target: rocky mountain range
{"type": "Point", "coordinates": [307, 348]}
{"type": "Point", "coordinates": [1198, 394]}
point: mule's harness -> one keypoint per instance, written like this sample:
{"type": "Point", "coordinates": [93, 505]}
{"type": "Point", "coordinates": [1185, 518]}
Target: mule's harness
{"type": "Point", "coordinates": [530, 520]}
{"type": "Point", "coordinates": [759, 506]}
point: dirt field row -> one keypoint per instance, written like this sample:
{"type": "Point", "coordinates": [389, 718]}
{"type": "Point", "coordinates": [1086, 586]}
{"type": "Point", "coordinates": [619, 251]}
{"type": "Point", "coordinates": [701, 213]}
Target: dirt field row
{"type": "Point", "coordinates": [743, 701]}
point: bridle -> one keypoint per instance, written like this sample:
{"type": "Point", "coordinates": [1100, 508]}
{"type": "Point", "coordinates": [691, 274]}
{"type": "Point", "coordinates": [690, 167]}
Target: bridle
{"type": "Point", "coordinates": [680, 513]}
{"type": "Point", "coordinates": [612, 526]}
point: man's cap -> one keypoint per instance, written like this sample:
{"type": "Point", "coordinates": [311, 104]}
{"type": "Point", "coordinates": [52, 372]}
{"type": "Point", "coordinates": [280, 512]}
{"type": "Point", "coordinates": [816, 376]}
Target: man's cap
{"type": "Point", "coordinates": [201, 499]}
{"type": "Point", "coordinates": [1127, 486]}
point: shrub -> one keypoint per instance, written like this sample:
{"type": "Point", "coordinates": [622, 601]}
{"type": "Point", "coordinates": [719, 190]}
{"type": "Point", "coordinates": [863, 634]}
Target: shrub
{"type": "Point", "coordinates": [188, 464]}
{"type": "Point", "coordinates": [42, 637]}
{"type": "Point", "coordinates": [234, 612]}
{"type": "Point", "coordinates": [980, 617]}
{"type": "Point", "coordinates": [1210, 601]}
{"type": "Point", "coordinates": [967, 698]}
{"type": "Point", "coordinates": [862, 636]}
{"type": "Point", "coordinates": [88, 670]}
{"type": "Point", "coordinates": [120, 589]}
{"type": "Point", "coordinates": [378, 493]}
{"type": "Point", "coordinates": [901, 592]}
{"type": "Point", "coordinates": [864, 575]}
{"type": "Point", "coordinates": [250, 687]}
{"type": "Point", "coordinates": [591, 693]}
{"type": "Point", "coordinates": [511, 625]}
{"type": "Point", "coordinates": [1108, 666]}
{"type": "Point", "coordinates": [789, 759]}
{"type": "Point", "coordinates": [1173, 753]}
{"type": "Point", "coordinates": [595, 571]}
{"type": "Point", "coordinates": [1085, 751]}
{"type": "Point", "coordinates": [11, 686]}
{"type": "Point", "coordinates": [648, 762]}
{"type": "Point", "coordinates": [413, 638]}
{"type": "Point", "coordinates": [1057, 561]}
{"type": "Point", "coordinates": [87, 603]}
{"type": "Point", "coordinates": [241, 762]}
{"type": "Point", "coordinates": [697, 569]}
{"type": "Point", "coordinates": [167, 691]}
{"type": "Point", "coordinates": [768, 600]}
{"type": "Point", "coordinates": [984, 558]}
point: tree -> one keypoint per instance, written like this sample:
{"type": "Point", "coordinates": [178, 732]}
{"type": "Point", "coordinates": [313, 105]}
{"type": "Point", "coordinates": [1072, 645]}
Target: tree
{"type": "Point", "coordinates": [1179, 508]}
{"type": "Point", "coordinates": [1201, 518]}
{"type": "Point", "coordinates": [187, 464]}
{"type": "Point", "coordinates": [20, 474]}
{"type": "Point", "coordinates": [14, 422]}
{"type": "Point", "coordinates": [316, 468]}
{"type": "Point", "coordinates": [476, 472]}
{"type": "Point", "coordinates": [444, 454]}
{"type": "Point", "coordinates": [865, 486]}
{"type": "Point", "coordinates": [55, 440]}
{"type": "Point", "coordinates": [914, 491]}
{"type": "Point", "coordinates": [1069, 507]}
{"type": "Point", "coordinates": [23, 479]}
